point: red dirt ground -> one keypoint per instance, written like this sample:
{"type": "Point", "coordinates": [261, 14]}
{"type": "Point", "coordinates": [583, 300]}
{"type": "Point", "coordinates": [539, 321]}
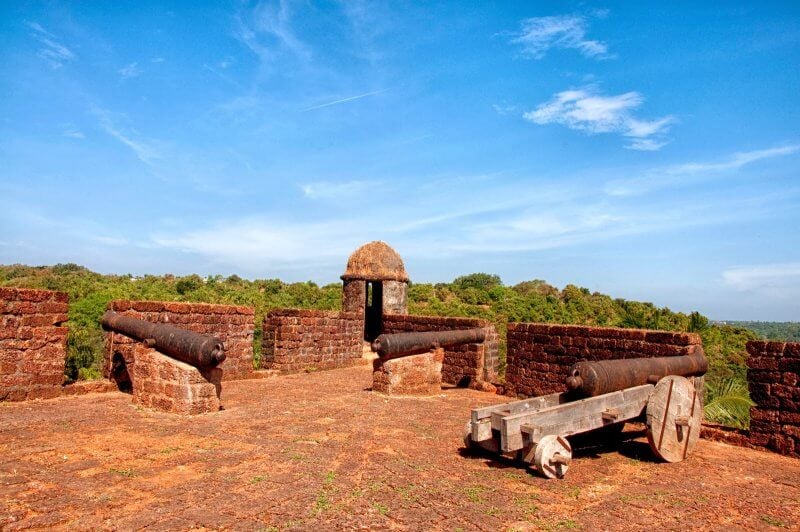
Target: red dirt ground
{"type": "Point", "coordinates": [320, 451]}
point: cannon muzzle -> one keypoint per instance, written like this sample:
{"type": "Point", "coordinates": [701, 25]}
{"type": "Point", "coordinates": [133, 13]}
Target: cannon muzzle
{"type": "Point", "coordinates": [400, 344]}
{"type": "Point", "coordinates": [197, 349]}
{"type": "Point", "coordinates": [605, 376]}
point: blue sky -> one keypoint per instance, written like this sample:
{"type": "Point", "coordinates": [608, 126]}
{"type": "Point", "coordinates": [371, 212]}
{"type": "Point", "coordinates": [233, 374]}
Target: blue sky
{"type": "Point", "coordinates": [648, 151]}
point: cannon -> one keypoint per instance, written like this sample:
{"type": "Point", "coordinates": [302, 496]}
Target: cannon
{"type": "Point", "coordinates": [656, 391]}
{"type": "Point", "coordinates": [604, 376]}
{"type": "Point", "coordinates": [199, 350]}
{"type": "Point", "coordinates": [401, 344]}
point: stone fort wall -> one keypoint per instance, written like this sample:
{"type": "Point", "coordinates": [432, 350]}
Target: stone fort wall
{"type": "Point", "coordinates": [773, 377]}
{"type": "Point", "coordinates": [33, 343]}
{"type": "Point", "coordinates": [540, 354]}
{"type": "Point", "coordinates": [296, 340]}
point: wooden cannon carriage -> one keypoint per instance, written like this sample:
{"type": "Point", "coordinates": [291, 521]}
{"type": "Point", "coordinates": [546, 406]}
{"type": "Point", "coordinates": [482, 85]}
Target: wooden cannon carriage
{"type": "Point", "coordinates": [656, 389]}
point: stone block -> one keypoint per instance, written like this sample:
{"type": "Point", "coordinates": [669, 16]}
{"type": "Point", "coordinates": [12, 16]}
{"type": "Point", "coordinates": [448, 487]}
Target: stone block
{"type": "Point", "coordinates": [409, 375]}
{"type": "Point", "coordinates": [762, 363]}
{"type": "Point", "coordinates": [169, 385]}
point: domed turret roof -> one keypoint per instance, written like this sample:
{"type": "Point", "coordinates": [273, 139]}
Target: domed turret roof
{"type": "Point", "coordinates": [375, 261]}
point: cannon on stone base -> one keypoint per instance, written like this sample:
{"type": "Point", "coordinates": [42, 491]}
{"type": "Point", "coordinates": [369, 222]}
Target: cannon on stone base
{"type": "Point", "coordinates": [410, 363]}
{"type": "Point", "coordinates": [409, 343]}
{"type": "Point", "coordinates": [536, 429]}
{"type": "Point", "coordinates": [198, 350]}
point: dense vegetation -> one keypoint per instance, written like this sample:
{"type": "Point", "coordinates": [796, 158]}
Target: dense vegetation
{"type": "Point", "coordinates": [477, 295]}
{"type": "Point", "coordinates": [787, 331]}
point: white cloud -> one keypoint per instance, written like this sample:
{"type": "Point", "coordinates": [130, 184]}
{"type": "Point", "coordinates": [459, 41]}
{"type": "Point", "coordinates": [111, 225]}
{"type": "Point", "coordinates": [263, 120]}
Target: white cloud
{"type": "Point", "coordinates": [763, 276]}
{"type": "Point", "coordinates": [586, 110]}
{"type": "Point", "coordinates": [130, 71]}
{"type": "Point", "coordinates": [581, 110]}
{"type": "Point", "coordinates": [690, 173]}
{"type": "Point", "coordinates": [737, 160]}
{"type": "Point", "coordinates": [540, 34]}
{"type": "Point", "coordinates": [646, 144]}
{"type": "Point", "coordinates": [335, 190]}
{"type": "Point", "coordinates": [504, 109]}
{"type": "Point", "coordinates": [52, 51]}
{"type": "Point", "coordinates": [259, 242]}
{"type": "Point", "coordinates": [157, 60]}
{"type": "Point", "coordinates": [582, 220]}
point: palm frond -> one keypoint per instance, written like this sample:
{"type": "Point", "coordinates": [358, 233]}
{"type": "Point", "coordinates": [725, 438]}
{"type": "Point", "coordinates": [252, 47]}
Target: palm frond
{"type": "Point", "coordinates": [728, 402]}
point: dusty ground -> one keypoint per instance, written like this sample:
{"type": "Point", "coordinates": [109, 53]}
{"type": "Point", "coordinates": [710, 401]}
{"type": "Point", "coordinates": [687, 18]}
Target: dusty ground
{"type": "Point", "coordinates": [319, 451]}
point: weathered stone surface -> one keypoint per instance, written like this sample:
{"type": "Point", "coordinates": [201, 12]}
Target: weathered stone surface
{"type": "Point", "coordinates": [33, 343]}
{"type": "Point", "coordinates": [169, 385]}
{"type": "Point", "coordinates": [409, 375]}
{"type": "Point", "coordinates": [773, 381]}
{"type": "Point", "coordinates": [307, 340]}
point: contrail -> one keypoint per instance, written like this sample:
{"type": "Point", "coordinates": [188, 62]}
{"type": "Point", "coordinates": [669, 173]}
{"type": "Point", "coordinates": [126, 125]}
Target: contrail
{"type": "Point", "coordinates": [336, 102]}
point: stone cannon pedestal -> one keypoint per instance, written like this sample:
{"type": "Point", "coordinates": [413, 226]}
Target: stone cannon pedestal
{"type": "Point", "coordinates": [409, 375]}
{"type": "Point", "coordinates": [169, 385]}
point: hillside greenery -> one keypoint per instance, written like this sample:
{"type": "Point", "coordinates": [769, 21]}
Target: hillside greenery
{"type": "Point", "coordinates": [786, 331]}
{"type": "Point", "coordinates": [477, 295]}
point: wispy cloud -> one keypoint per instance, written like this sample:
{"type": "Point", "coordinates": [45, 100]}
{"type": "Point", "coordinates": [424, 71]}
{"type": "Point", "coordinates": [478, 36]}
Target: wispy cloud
{"type": "Point", "coordinates": [144, 149]}
{"type": "Point", "coordinates": [78, 228]}
{"type": "Point", "coordinates": [691, 173]}
{"type": "Point", "coordinates": [539, 34]}
{"type": "Point", "coordinates": [72, 132]}
{"type": "Point", "coordinates": [588, 111]}
{"type": "Point", "coordinates": [504, 109]}
{"type": "Point", "coordinates": [343, 100]}
{"type": "Point", "coordinates": [763, 276]}
{"type": "Point", "coordinates": [336, 190]}
{"type": "Point", "coordinates": [511, 219]}
{"type": "Point", "coordinates": [51, 50]}
{"type": "Point", "coordinates": [130, 71]}
{"type": "Point", "coordinates": [254, 241]}
{"type": "Point", "coordinates": [583, 219]}
{"type": "Point", "coordinates": [737, 160]}
{"type": "Point", "coordinates": [267, 29]}
{"type": "Point", "coordinates": [368, 20]}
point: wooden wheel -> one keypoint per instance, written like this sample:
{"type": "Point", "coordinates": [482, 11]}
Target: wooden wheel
{"type": "Point", "coordinates": [674, 416]}
{"type": "Point", "coordinates": [552, 456]}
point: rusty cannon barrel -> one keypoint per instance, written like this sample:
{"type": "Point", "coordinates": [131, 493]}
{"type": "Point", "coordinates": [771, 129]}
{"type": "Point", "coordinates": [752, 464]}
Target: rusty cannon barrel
{"type": "Point", "coordinates": [197, 349]}
{"type": "Point", "coordinates": [605, 376]}
{"type": "Point", "coordinates": [400, 344]}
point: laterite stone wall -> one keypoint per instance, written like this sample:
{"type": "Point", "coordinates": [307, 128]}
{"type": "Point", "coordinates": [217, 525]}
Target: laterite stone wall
{"type": "Point", "coordinates": [773, 377]}
{"type": "Point", "coordinates": [33, 343]}
{"type": "Point", "coordinates": [473, 365]}
{"type": "Point", "coordinates": [296, 340]}
{"type": "Point", "coordinates": [233, 325]}
{"type": "Point", "coordinates": [540, 354]}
